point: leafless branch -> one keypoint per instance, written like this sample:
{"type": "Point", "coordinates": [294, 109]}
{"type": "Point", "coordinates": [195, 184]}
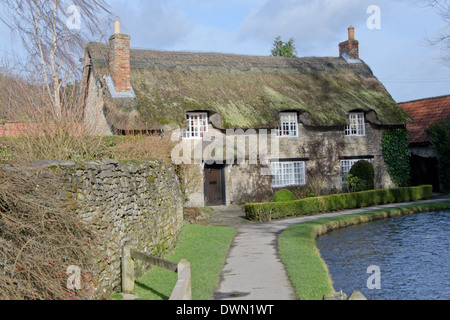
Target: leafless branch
{"type": "Point", "coordinates": [54, 49]}
{"type": "Point", "coordinates": [443, 38]}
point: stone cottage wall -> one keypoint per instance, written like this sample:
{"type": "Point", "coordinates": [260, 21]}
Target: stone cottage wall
{"type": "Point", "coordinates": [94, 121]}
{"type": "Point", "coordinates": [335, 146]}
{"type": "Point", "coordinates": [128, 202]}
{"type": "Point", "coordinates": [322, 148]}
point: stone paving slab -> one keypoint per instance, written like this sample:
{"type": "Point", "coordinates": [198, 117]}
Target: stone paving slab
{"type": "Point", "coordinates": [253, 268]}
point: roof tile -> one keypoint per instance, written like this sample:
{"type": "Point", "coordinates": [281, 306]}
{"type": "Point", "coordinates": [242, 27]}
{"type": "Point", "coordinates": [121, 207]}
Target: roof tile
{"type": "Point", "coordinates": [424, 113]}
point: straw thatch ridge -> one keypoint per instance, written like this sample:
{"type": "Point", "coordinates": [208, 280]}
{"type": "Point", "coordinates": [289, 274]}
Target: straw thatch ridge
{"type": "Point", "coordinates": [244, 91]}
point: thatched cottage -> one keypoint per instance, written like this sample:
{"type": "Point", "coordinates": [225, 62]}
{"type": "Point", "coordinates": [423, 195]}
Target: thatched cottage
{"type": "Point", "coordinates": [303, 121]}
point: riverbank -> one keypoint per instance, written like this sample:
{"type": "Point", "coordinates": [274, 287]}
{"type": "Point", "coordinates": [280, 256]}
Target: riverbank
{"type": "Point", "coordinates": [305, 268]}
{"type": "Point", "coordinates": [248, 264]}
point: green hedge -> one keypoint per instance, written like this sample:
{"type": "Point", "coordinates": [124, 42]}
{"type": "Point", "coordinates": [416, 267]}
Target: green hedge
{"type": "Point", "coordinates": [263, 212]}
{"type": "Point", "coordinates": [283, 195]}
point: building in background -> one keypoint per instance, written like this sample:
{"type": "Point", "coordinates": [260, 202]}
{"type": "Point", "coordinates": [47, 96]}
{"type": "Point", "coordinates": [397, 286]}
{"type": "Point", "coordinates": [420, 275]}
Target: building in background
{"type": "Point", "coordinates": [424, 112]}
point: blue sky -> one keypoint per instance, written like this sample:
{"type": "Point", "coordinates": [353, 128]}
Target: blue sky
{"type": "Point", "coordinates": [398, 53]}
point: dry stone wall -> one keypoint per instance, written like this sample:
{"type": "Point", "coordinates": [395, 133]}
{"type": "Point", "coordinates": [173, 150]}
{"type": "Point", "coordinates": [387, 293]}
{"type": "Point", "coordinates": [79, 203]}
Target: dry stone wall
{"type": "Point", "coordinates": [139, 203]}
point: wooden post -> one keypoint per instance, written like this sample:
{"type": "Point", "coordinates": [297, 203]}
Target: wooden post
{"type": "Point", "coordinates": [127, 270]}
{"type": "Point", "coordinates": [183, 288]}
{"type": "Point", "coordinates": [184, 273]}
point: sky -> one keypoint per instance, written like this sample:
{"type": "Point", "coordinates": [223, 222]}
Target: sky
{"type": "Point", "coordinates": [392, 40]}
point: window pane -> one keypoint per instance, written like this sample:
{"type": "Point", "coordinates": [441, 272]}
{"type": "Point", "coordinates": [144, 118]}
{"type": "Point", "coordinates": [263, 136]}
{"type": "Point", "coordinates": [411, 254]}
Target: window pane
{"type": "Point", "coordinates": [356, 126]}
{"type": "Point", "coordinates": [289, 125]}
{"type": "Point", "coordinates": [288, 174]}
{"type": "Point", "coordinates": [197, 125]}
{"type": "Point", "coordinates": [346, 166]}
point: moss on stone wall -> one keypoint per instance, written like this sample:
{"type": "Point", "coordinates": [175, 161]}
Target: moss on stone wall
{"type": "Point", "coordinates": [136, 202]}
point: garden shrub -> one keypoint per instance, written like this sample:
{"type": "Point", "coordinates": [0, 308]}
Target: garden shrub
{"type": "Point", "coordinates": [283, 195]}
{"type": "Point", "coordinates": [41, 236]}
{"type": "Point", "coordinates": [365, 172]}
{"type": "Point", "coordinates": [312, 206]}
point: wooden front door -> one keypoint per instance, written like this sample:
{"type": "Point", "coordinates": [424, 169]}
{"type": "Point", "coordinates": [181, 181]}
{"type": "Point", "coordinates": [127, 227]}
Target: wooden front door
{"type": "Point", "coordinates": [214, 186]}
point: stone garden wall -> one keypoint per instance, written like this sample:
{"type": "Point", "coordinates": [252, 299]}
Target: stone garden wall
{"type": "Point", "coordinates": [139, 203]}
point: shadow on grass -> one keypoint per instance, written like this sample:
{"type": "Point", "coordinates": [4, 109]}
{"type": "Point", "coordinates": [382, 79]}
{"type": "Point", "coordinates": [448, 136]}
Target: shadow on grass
{"type": "Point", "coordinates": [157, 293]}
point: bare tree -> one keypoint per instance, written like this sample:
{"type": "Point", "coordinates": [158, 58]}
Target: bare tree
{"type": "Point", "coordinates": [443, 38]}
{"type": "Point", "coordinates": [53, 33]}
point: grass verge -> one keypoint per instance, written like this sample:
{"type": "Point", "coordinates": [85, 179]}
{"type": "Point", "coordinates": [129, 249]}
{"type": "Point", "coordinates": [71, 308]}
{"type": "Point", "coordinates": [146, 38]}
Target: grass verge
{"type": "Point", "coordinates": [307, 271]}
{"type": "Point", "coordinates": [206, 248]}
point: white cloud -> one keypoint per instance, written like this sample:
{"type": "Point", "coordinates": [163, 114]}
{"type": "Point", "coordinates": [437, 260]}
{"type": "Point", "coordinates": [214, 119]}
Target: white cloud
{"type": "Point", "coordinates": [311, 23]}
{"type": "Point", "coordinates": [396, 52]}
{"type": "Point", "coordinates": [152, 24]}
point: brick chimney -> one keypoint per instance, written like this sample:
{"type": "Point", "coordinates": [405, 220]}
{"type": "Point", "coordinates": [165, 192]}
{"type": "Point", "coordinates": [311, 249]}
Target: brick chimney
{"type": "Point", "coordinates": [351, 46]}
{"type": "Point", "coordinates": [119, 60]}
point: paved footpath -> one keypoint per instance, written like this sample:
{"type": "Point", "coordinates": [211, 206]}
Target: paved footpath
{"type": "Point", "coordinates": [253, 269]}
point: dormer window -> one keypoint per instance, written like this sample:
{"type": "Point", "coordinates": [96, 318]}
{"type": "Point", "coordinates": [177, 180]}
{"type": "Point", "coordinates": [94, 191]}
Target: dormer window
{"type": "Point", "coordinates": [357, 125]}
{"type": "Point", "coordinates": [289, 125]}
{"type": "Point", "coordinates": [197, 125]}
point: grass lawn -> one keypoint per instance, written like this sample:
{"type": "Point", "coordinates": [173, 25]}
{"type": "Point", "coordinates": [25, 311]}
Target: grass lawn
{"type": "Point", "coordinates": [206, 248]}
{"type": "Point", "coordinates": [307, 271]}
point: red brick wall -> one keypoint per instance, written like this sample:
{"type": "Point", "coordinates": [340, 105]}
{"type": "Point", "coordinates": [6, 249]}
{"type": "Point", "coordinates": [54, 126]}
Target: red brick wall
{"type": "Point", "coordinates": [119, 61]}
{"type": "Point", "coordinates": [22, 129]}
{"type": "Point", "coordinates": [17, 129]}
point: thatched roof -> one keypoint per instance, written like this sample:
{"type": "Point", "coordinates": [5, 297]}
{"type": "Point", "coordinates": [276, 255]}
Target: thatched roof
{"type": "Point", "coordinates": [243, 91]}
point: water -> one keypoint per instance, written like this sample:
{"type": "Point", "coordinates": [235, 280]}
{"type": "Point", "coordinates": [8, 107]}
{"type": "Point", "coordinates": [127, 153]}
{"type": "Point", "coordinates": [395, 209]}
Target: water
{"type": "Point", "coordinates": [412, 253]}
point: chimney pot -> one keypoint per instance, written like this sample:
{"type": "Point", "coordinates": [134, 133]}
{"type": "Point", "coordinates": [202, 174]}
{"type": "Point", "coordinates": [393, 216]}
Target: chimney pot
{"type": "Point", "coordinates": [351, 33]}
{"type": "Point", "coordinates": [117, 27]}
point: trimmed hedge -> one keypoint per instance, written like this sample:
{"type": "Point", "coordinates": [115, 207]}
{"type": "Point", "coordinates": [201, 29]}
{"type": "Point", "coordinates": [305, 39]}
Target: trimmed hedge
{"type": "Point", "coordinates": [283, 195]}
{"type": "Point", "coordinates": [269, 211]}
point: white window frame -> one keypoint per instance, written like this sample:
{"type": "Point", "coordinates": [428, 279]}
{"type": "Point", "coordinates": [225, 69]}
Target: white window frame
{"type": "Point", "coordinates": [286, 174]}
{"type": "Point", "coordinates": [197, 125]}
{"type": "Point", "coordinates": [289, 125]}
{"type": "Point", "coordinates": [357, 127]}
{"type": "Point", "coordinates": [346, 166]}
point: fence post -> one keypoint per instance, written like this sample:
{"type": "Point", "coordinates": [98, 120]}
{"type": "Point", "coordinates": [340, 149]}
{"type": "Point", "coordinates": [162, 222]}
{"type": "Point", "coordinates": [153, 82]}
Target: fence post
{"type": "Point", "coordinates": [127, 270]}
{"type": "Point", "coordinates": [184, 272]}
{"type": "Point", "coordinates": [183, 288]}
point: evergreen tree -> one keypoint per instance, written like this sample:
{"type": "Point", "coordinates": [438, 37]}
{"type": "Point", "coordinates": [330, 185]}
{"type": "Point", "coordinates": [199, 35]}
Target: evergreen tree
{"type": "Point", "coordinates": [284, 49]}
